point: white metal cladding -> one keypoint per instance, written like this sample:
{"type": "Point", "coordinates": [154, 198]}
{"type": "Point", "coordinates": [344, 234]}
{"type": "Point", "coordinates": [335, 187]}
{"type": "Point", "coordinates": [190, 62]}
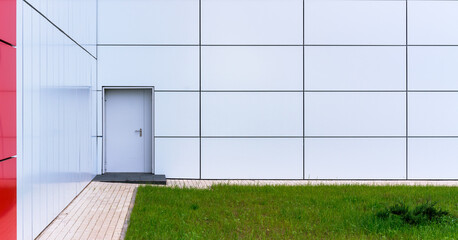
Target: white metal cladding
{"type": "Point", "coordinates": [253, 89]}
{"type": "Point", "coordinates": [77, 19]}
{"type": "Point", "coordinates": [56, 108]}
{"type": "Point", "coordinates": [292, 89]}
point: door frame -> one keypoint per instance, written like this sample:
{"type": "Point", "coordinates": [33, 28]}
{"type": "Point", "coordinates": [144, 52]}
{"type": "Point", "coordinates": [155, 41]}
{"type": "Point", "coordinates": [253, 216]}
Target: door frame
{"type": "Point", "coordinates": [104, 89]}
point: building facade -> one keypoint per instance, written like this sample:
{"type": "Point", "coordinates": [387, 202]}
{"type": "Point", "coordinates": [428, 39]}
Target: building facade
{"type": "Point", "coordinates": [266, 89]}
{"type": "Point", "coordinates": [221, 89]}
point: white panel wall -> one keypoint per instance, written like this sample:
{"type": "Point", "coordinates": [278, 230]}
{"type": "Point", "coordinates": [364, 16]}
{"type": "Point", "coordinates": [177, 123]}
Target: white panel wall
{"type": "Point", "coordinates": [368, 22]}
{"type": "Point", "coordinates": [178, 157]}
{"type": "Point", "coordinates": [166, 68]}
{"type": "Point", "coordinates": [433, 114]}
{"type": "Point", "coordinates": [74, 18]}
{"type": "Point", "coordinates": [251, 114]}
{"type": "Point", "coordinates": [432, 74]}
{"type": "Point", "coordinates": [251, 22]}
{"type": "Point", "coordinates": [355, 68]}
{"type": "Point", "coordinates": [251, 158]}
{"type": "Point", "coordinates": [431, 22]}
{"type": "Point", "coordinates": [155, 43]}
{"type": "Point", "coordinates": [56, 119]}
{"type": "Point", "coordinates": [148, 22]}
{"type": "Point", "coordinates": [288, 88]}
{"type": "Point", "coordinates": [355, 158]}
{"type": "Point", "coordinates": [355, 82]}
{"type": "Point", "coordinates": [433, 68]}
{"type": "Point", "coordinates": [252, 68]}
{"type": "Point", "coordinates": [433, 158]}
{"type": "Point", "coordinates": [176, 114]}
{"type": "Point", "coordinates": [355, 114]}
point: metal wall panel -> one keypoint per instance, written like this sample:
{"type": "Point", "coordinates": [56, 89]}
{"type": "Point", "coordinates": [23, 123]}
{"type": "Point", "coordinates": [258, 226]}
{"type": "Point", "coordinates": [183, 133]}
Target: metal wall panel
{"type": "Point", "coordinates": [8, 21]}
{"type": "Point", "coordinates": [57, 156]}
{"type": "Point", "coordinates": [366, 22]}
{"type": "Point", "coordinates": [432, 22]}
{"type": "Point", "coordinates": [167, 21]}
{"type": "Point", "coordinates": [177, 157]}
{"type": "Point", "coordinates": [252, 158]}
{"type": "Point", "coordinates": [251, 22]}
{"type": "Point", "coordinates": [433, 68]}
{"type": "Point", "coordinates": [251, 114]}
{"type": "Point", "coordinates": [176, 114]}
{"type": "Point", "coordinates": [8, 199]}
{"type": "Point", "coordinates": [433, 114]}
{"type": "Point", "coordinates": [7, 101]}
{"type": "Point", "coordinates": [355, 158]}
{"type": "Point", "coordinates": [350, 68]}
{"type": "Point", "coordinates": [252, 68]}
{"type": "Point", "coordinates": [355, 114]}
{"type": "Point", "coordinates": [165, 68]}
{"type": "Point", "coordinates": [75, 18]}
{"type": "Point", "coordinates": [433, 158]}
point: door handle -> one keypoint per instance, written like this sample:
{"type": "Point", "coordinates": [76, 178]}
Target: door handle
{"type": "Point", "coordinates": [140, 131]}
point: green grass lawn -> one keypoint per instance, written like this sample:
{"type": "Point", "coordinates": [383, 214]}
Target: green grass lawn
{"type": "Point", "coordinates": [283, 212]}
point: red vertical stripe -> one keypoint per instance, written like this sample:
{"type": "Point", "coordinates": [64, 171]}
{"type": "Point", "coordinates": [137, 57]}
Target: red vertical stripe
{"type": "Point", "coordinates": [7, 119]}
{"type": "Point", "coordinates": [8, 21]}
{"type": "Point", "coordinates": [7, 101]}
{"type": "Point", "coordinates": [8, 199]}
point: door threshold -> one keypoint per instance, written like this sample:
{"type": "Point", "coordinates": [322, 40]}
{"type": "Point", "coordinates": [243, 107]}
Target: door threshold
{"type": "Point", "coordinates": [142, 178]}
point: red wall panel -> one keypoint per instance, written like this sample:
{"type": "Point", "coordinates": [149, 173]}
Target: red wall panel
{"type": "Point", "coordinates": [8, 21]}
{"type": "Point", "coordinates": [7, 119]}
{"type": "Point", "coordinates": [8, 199]}
{"type": "Point", "coordinates": [7, 101]}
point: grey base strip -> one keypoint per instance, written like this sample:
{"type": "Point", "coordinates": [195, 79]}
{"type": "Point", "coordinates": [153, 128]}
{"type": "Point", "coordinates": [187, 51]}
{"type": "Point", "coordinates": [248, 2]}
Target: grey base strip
{"type": "Point", "coordinates": [144, 178]}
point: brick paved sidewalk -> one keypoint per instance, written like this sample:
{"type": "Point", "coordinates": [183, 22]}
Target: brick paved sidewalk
{"type": "Point", "coordinates": [99, 212]}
